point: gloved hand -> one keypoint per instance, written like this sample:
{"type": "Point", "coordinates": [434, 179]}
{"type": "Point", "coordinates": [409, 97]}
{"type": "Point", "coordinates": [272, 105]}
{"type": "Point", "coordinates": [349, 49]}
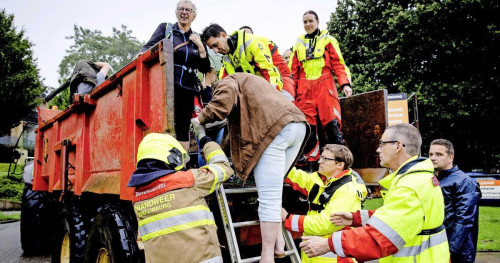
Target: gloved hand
{"type": "Point", "coordinates": [216, 125]}
{"type": "Point", "coordinates": [199, 130]}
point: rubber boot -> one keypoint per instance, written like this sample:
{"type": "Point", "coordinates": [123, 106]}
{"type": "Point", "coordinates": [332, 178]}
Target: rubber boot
{"type": "Point", "coordinates": [333, 133]}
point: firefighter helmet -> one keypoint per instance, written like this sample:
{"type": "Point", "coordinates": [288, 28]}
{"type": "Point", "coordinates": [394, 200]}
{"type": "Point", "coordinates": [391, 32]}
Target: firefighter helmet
{"type": "Point", "coordinates": [162, 147]}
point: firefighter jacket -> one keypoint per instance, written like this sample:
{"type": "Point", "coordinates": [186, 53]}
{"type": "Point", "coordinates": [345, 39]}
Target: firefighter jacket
{"type": "Point", "coordinates": [461, 195]}
{"type": "Point", "coordinates": [255, 55]}
{"type": "Point", "coordinates": [175, 222]}
{"type": "Point", "coordinates": [318, 54]}
{"type": "Point", "coordinates": [407, 228]}
{"type": "Point", "coordinates": [346, 197]}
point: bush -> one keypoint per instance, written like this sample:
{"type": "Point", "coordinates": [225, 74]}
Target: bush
{"type": "Point", "coordinates": [10, 189]}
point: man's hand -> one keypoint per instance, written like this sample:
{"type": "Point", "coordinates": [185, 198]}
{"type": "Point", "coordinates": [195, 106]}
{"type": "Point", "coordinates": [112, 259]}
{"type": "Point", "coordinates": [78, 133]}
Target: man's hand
{"type": "Point", "coordinates": [341, 218]}
{"type": "Point", "coordinates": [314, 246]}
{"type": "Point", "coordinates": [347, 91]}
{"type": "Point", "coordinates": [284, 214]}
{"type": "Point", "coordinates": [199, 130]}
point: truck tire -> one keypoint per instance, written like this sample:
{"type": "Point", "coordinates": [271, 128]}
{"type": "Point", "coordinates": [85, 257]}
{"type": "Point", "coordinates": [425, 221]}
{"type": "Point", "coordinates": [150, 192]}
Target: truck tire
{"type": "Point", "coordinates": [71, 235]}
{"type": "Point", "coordinates": [36, 221]}
{"type": "Point", "coordinates": [113, 237]}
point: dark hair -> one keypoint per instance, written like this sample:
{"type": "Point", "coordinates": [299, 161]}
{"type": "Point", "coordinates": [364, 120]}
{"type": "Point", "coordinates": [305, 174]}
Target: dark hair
{"type": "Point", "coordinates": [243, 27]}
{"type": "Point", "coordinates": [341, 152]}
{"type": "Point", "coordinates": [447, 144]}
{"type": "Point", "coordinates": [311, 13]}
{"type": "Point", "coordinates": [213, 30]}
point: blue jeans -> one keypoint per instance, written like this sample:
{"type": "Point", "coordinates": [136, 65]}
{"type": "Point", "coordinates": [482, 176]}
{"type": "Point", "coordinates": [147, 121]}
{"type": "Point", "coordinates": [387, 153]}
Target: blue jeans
{"type": "Point", "coordinates": [216, 137]}
{"type": "Point", "coordinates": [272, 166]}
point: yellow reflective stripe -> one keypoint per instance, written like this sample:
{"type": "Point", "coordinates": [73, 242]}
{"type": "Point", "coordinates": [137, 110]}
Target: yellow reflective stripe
{"type": "Point", "coordinates": [217, 155]}
{"type": "Point", "coordinates": [175, 221]}
{"type": "Point", "coordinates": [178, 228]}
{"type": "Point", "coordinates": [219, 173]}
{"type": "Point", "coordinates": [175, 212]}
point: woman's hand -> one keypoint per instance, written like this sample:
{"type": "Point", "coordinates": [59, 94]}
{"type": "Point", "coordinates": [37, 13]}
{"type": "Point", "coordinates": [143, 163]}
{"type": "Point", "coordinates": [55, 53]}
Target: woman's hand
{"type": "Point", "coordinates": [197, 41]}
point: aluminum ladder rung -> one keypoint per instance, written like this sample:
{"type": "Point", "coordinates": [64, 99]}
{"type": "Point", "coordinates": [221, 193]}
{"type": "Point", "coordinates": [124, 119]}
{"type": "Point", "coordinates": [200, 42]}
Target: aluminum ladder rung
{"type": "Point", "coordinates": [246, 223]}
{"type": "Point", "coordinates": [229, 227]}
{"type": "Point", "coordinates": [241, 190]}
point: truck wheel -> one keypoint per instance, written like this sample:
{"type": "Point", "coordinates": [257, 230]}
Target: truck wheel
{"type": "Point", "coordinates": [70, 240]}
{"type": "Point", "coordinates": [113, 237]}
{"type": "Point", "coordinates": [36, 221]}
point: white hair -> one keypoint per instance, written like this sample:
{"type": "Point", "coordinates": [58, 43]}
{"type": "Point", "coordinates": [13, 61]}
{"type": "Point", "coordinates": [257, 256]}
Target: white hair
{"type": "Point", "coordinates": [189, 2]}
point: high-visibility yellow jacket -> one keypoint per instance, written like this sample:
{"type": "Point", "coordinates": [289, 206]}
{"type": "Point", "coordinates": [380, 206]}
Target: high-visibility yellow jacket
{"type": "Point", "coordinates": [313, 57]}
{"type": "Point", "coordinates": [408, 227]}
{"type": "Point", "coordinates": [253, 55]}
{"type": "Point", "coordinates": [347, 197]}
{"type": "Point", "coordinates": [175, 222]}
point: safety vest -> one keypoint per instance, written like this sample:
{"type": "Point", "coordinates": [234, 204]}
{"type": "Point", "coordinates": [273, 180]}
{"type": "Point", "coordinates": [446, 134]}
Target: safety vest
{"type": "Point", "coordinates": [311, 54]}
{"type": "Point", "coordinates": [338, 194]}
{"type": "Point", "coordinates": [250, 50]}
{"type": "Point", "coordinates": [425, 240]}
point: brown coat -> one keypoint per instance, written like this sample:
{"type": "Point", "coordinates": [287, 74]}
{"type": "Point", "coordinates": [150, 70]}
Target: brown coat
{"type": "Point", "coordinates": [256, 113]}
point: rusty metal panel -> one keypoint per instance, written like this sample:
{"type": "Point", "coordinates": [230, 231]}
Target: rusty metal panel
{"type": "Point", "coordinates": [364, 119]}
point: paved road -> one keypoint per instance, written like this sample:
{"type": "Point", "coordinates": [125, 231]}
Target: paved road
{"type": "Point", "coordinates": [10, 246]}
{"type": "Point", "coordinates": [11, 252]}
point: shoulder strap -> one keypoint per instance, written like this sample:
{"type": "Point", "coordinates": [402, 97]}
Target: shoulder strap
{"type": "Point", "coordinates": [327, 193]}
{"type": "Point", "coordinates": [168, 30]}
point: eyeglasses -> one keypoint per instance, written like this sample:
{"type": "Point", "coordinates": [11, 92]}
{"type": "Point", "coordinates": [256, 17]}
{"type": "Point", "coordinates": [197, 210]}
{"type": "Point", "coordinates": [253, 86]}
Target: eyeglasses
{"type": "Point", "coordinates": [381, 143]}
{"type": "Point", "coordinates": [187, 10]}
{"type": "Point", "coordinates": [323, 158]}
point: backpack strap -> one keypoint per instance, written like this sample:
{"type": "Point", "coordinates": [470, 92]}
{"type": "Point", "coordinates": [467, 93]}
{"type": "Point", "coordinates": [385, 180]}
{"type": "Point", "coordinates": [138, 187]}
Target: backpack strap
{"type": "Point", "coordinates": [327, 193]}
{"type": "Point", "coordinates": [168, 30]}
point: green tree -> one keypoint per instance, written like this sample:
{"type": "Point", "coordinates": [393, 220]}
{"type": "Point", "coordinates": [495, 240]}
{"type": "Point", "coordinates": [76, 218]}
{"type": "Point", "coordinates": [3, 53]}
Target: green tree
{"type": "Point", "coordinates": [118, 49]}
{"type": "Point", "coordinates": [20, 85]}
{"type": "Point", "coordinates": [447, 52]}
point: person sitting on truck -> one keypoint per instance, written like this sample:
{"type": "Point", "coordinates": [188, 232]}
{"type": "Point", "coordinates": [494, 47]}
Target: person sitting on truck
{"type": "Point", "coordinates": [461, 196]}
{"type": "Point", "coordinates": [190, 55]}
{"type": "Point", "coordinates": [174, 220]}
{"type": "Point", "coordinates": [409, 226]}
{"type": "Point", "coordinates": [87, 75]}
{"type": "Point", "coordinates": [332, 188]}
{"type": "Point", "coordinates": [266, 133]}
{"type": "Point", "coordinates": [244, 52]}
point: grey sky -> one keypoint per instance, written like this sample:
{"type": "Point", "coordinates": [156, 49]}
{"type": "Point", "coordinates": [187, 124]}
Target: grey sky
{"type": "Point", "coordinates": [48, 22]}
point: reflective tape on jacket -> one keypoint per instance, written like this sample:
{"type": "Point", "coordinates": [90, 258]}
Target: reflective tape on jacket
{"type": "Point", "coordinates": [175, 220]}
{"type": "Point", "coordinates": [217, 171]}
{"type": "Point", "coordinates": [387, 231]}
{"type": "Point", "coordinates": [364, 217]}
{"type": "Point", "coordinates": [217, 156]}
{"type": "Point", "coordinates": [433, 241]}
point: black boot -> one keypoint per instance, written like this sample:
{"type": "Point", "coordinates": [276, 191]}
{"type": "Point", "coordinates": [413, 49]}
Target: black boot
{"type": "Point", "coordinates": [333, 133]}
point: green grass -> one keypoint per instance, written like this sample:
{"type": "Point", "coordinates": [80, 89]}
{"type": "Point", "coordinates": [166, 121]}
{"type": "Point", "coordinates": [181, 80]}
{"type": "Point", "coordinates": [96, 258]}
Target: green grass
{"type": "Point", "coordinates": [373, 203]}
{"type": "Point", "coordinates": [489, 229]}
{"type": "Point", "coordinates": [489, 224]}
{"type": "Point", "coordinates": [10, 189]}
{"type": "Point", "coordinates": [5, 217]}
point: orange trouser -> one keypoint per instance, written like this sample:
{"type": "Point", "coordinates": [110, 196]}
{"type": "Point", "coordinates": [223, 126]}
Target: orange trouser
{"type": "Point", "coordinates": [319, 97]}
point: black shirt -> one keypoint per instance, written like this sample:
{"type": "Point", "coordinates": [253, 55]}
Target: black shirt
{"type": "Point", "coordinates": [187, 56]}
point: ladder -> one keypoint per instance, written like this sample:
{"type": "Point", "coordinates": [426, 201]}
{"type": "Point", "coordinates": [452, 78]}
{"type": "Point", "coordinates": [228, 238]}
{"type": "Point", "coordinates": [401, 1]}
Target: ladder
{"type": "Point", "coordinates": [230, 226]}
